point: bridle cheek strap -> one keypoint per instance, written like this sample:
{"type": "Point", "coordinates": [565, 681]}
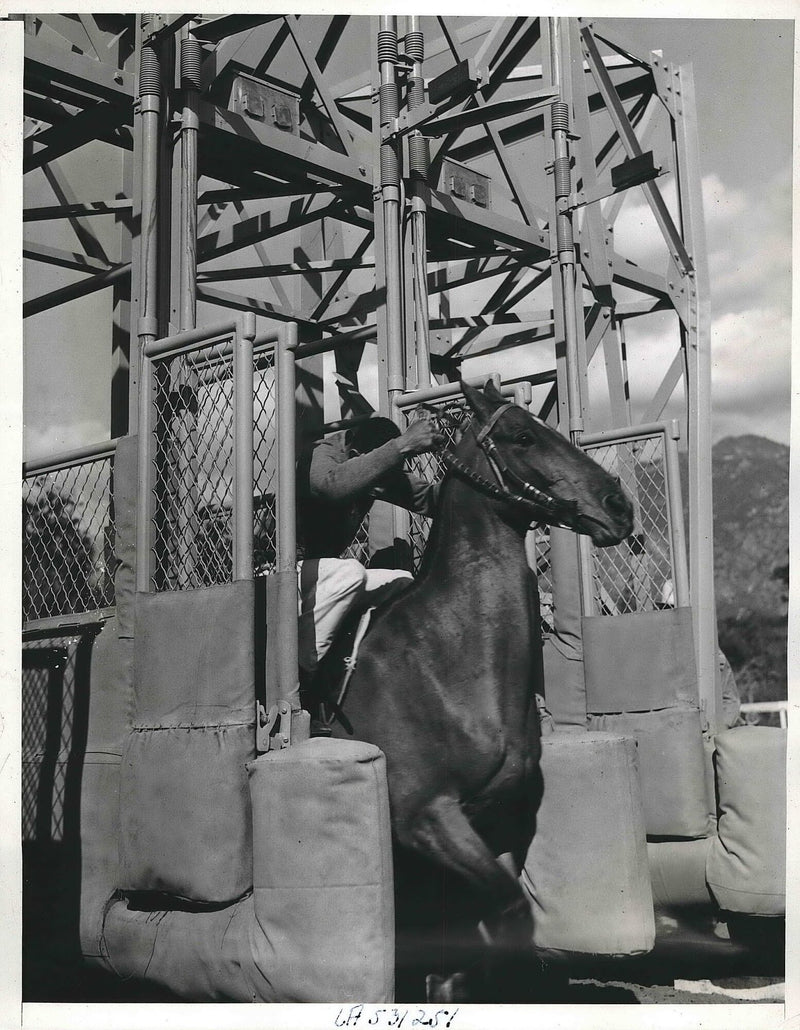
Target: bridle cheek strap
{"type": "Point", "coordinates": [489, 426]}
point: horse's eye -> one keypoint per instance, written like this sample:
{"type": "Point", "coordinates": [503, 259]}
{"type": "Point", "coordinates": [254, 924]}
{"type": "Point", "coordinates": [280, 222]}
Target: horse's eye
{"type": "Point", "coordinates": [524, 438]}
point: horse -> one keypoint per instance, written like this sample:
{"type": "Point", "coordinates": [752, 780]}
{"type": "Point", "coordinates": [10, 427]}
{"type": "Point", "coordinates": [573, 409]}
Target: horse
{"type": "Point", "coordinates": [447, 674]}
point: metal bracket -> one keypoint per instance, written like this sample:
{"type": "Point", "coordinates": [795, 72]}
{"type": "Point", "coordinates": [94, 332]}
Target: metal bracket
{"type": "Point", "coordinates": [273, 727]}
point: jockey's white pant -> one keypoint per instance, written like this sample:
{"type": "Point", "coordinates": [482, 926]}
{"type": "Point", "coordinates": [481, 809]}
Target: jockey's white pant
{"type": "Point", "coordinates": [329, 588]}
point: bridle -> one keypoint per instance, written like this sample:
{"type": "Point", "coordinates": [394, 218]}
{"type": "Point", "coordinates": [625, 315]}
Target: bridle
{"type": "Point", "coordinates": [510, 486]}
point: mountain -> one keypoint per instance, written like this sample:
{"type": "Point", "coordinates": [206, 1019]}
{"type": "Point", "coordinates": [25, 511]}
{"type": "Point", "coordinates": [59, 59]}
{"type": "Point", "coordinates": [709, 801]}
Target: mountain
{"type": "Point", "coordinates": [751, 560]}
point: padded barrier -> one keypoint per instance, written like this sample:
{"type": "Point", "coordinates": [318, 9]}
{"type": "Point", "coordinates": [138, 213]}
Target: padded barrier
{"type": "Point", "coordinates": [746, 867]}
{"type": "Point", "coordinates": [185, 825]}
{"type": "Point", "coordinates": [323, 883]}
{"type": "Point", "coordinates": [678, 872]}
{"type": "Point", "coordinates": [110, 703]}
{"type": "Point", "coordinates": [639, 662]}
{"type": "Point", "coordinates": [586, 872]}
{"type": "Point", "coordinates": [671, 764]}
{"type": "Point", "coordinates": [125, 487]}
{"type": "Point", "coordinates": [562, 653]}
{"type": "Point", "coordinates": [319, 926]}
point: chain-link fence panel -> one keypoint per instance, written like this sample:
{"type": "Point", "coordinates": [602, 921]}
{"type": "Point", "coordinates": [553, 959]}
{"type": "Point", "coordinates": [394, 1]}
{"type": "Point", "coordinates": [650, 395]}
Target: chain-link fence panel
{"type": "Point", "coordinates": [48, 716]}
{"type": "Point", "coordinates": [192, 460]}
{"type": "Point", "coordinates": [636, 575]}
{"type": "Point", "coordinates": [265, 459]}
{"type": "Point", "coordinates": [68, 539]}
{"type": "Point", "coordinates": [193, 463]}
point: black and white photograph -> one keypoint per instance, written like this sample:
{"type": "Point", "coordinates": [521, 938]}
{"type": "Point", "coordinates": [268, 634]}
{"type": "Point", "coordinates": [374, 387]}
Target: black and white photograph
{"type": "Point", "coordinates": [402, 408]}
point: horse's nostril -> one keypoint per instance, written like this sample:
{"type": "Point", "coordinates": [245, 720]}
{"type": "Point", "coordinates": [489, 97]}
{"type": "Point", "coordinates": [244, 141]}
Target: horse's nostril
{"type": "Point", "coordinates": [616, 504]}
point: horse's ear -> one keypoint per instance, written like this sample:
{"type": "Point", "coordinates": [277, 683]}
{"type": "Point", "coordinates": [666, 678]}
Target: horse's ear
{"type": "Point", "coordinates": [483, 403]}
{"type": "Point", "coordinates": [491, 393]}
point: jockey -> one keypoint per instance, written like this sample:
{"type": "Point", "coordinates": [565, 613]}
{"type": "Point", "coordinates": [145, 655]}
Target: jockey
{"type": "Point", "coordinates": [338, 480]}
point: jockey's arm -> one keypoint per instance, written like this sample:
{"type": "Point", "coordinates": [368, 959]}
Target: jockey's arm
{"type": "Point", "coordinates": [336, 476]}
{"type": "Point", "coordinates": [333, 476]}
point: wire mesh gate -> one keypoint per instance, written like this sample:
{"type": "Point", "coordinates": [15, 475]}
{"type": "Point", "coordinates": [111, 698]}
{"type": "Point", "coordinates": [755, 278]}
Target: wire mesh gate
{"type": "Point", "coordinates": [649, 570]}
{"type": "Point", "coordinates": [208, 464]}
{"type": "Point", "coordinates": [68, 533]}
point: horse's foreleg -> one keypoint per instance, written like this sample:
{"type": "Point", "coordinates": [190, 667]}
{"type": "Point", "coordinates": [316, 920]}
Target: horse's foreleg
{"type": "Point", "coordinates": [443, 833]}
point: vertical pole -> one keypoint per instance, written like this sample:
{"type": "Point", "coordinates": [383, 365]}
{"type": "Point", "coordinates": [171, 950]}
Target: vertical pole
{"type": "Point", "coordinates": [190, 64]}
{"type": "Point", "coordinates": [243, 447]}
{"type": "Point", "coordinates": [564, 235]}
{"type": "Point", "coordinates": [697, 349]}
{"type": "Point", "coordinates": [147, 323]}
{"type": "Point", "coordinates": [680, 572]}
{"type": "Point", "coordinates": [418, 161]}
{"type": "Point", "coordinates": [144, 493]}
{"type": "Point", "coordinates": [565, 248]}
{"type": "Point", "coordinates": [390, 194]}
{"type": "Point", "coordinates": [286, 563]}
{"type": "Point", "coordinates": [149, 113]}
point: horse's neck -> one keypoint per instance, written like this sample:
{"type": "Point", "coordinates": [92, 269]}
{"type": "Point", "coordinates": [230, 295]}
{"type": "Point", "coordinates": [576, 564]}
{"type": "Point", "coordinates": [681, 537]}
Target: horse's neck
{"type": "Point", "coordinates": [469, 541]}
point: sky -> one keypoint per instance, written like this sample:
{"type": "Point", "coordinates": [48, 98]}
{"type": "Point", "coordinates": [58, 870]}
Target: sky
{"type": "Point", "coordinates": [743, 79]}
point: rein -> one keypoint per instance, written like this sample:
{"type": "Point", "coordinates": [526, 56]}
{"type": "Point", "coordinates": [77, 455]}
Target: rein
{"type": "Point", "coordinates": [524, 494]}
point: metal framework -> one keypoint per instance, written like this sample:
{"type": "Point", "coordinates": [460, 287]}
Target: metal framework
{"type": "Point", "coordinates": [425, 198]}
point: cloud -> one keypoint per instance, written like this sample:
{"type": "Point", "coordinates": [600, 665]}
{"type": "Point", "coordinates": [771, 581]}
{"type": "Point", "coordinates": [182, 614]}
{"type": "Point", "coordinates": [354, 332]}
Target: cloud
{"type": "Point", "coordinates": [748, 239]}
{"type": "Point", "coordinates": [43, 441]}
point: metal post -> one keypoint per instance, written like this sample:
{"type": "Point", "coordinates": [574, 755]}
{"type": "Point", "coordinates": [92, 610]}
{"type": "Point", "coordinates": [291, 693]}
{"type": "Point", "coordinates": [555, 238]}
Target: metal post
{"type": "Point", "coordinates": [191, 57]}
{"type": "Point", "coordinates": [390, 195]}
{"type": "Point", "coordinates": [150, 113]}
{"type": "Point", "coordinates": [144, 497]}
{"type": "Point", "coordinates": [680, 571]}
{"type": "Point", "coordinates": [418, 161]}
{"type": "Point", "coordinates": [286, 558]}
{"type": "Point", "coordinates": [564, 236]}
{"type": "Point", "coordinates": [243, 448]}
{"type": "Point", "coordinates": [147, 323]}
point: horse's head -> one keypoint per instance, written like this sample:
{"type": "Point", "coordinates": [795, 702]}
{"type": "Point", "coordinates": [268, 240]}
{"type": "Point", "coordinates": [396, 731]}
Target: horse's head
{"type": "Point", "coordinates": [537, 472]}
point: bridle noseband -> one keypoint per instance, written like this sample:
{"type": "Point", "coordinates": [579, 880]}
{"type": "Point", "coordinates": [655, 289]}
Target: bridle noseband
{"type": "Point", "coordinates": [510, 486]}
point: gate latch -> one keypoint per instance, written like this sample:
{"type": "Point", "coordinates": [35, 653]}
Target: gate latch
{"type": "Point", "coordinates": [273, 727]}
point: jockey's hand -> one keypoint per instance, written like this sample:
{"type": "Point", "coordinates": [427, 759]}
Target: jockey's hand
{"type": "Point", "coordinates": [420, 437]}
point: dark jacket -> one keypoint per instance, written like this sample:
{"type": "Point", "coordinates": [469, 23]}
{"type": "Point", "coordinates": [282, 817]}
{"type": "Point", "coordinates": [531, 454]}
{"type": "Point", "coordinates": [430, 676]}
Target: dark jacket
{"type": "Point", "coordinates": [335, 491]}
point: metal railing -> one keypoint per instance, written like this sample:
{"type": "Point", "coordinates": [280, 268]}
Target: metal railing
{"type": "Point", "coordinates": [649, 570]}
{"type": "Point", "coordinates": [68, 536]}
{"type": "Point", "coordinates": [753, 711]}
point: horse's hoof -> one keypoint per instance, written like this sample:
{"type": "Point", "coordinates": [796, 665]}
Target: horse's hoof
{"type": "Point", "coordinates": [446, 988]}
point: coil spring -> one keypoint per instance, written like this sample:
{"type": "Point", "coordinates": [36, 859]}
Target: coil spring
{"type": "Point", "coordinates": [191, 63]}
{"type": "Point", "coordinates": [390, 165]}
{"type": "Point", "coordinates": [149, 73]}
{"type": "Point", "coordinates": [560, 117]}
{"type": "Point", "coordinates": [389, 101]}
{"type": "Point", "coordinates": [387, 46]}
{"type": "Point", "coordinates": [564, 238]}
{"type": "Point", "coordinates": [416, 90]}
{"type": "Point", "coordinates": [415, 46]}
{"type": "Point", "coordinates": [561, 174]}
{"type": "Point", "coordinates": [418, 156]}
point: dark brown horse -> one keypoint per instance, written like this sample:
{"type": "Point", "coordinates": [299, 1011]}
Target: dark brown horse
{"type": "Point", "coordinates": [446, 677]}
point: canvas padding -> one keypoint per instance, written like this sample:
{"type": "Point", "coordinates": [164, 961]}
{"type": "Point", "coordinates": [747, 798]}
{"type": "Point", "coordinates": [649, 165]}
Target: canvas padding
{"type": "Point", "coordinates": [195, 656]}
{"type": "Point", "coordinates": [586, 871]}
{"type": "Point", "coordinates": [671, 765]}
{"type": "Point", "coordinates": [185, 824]}
{"type": "Point", "coordinates": [678, 871]}
{"type": "Point", "coordinates": [111, 693]}
{"type": "Point", "coordinates": [322, 875]}
{"type": "Point", "coordinates": [746, 867]}
{"type": "Point", "coordinates": [126, 478]}
{"type": "Point", "coordinates": [639, 662]}
{"type": "Point", "coordinates": [564, 685]}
